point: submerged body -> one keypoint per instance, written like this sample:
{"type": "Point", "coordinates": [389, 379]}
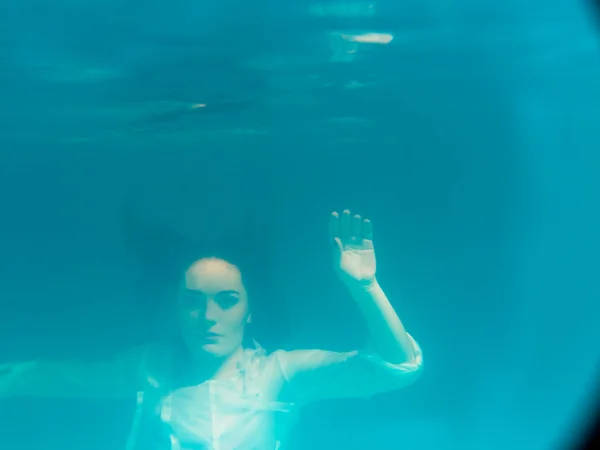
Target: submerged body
{"type": "Point", "coordinates": [205, 390]}
{"type": "Point", "coordinates": [250, 405]}
{"type": "Point", "coordinates": [253, 405]}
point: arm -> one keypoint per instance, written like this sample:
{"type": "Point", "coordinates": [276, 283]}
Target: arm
{"type": "Point", "coordinates": [396, 359]}
{"type": "Point", "coordinates": [354, 261]}
{"type": "Point", "coordinates": [386, 332]}
{"type": "Point", "coordinates": [118, 377]}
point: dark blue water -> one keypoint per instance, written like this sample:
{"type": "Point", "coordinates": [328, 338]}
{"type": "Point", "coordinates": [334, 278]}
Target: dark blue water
{"type": "Point", "coordinates": [471, 140]}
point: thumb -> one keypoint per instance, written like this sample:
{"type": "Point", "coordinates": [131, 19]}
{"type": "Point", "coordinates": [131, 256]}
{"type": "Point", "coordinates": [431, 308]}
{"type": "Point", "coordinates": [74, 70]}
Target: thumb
{"type": "Point", "coordinates": [337, 246]}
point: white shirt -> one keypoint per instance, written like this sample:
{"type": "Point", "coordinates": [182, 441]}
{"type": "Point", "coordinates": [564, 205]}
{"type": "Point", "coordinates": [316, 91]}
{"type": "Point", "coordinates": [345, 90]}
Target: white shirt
{"type": "Point", "coordinates": [254, 408]}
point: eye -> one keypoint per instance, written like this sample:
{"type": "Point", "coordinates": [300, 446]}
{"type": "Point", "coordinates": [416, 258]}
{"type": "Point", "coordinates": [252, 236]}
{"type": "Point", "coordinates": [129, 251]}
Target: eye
{"type": "Point", "coordinates": [226, 301]}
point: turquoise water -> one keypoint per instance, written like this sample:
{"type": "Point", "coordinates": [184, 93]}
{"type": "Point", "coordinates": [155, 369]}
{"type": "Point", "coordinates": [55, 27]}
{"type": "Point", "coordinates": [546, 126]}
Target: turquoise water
{"type": "Point", "coordinates": [467, 132]}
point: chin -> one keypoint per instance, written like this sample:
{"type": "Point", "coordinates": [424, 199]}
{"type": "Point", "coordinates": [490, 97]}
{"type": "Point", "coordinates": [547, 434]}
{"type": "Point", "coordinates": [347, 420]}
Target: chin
{"type": "Point", "coordinates": [215, 350]}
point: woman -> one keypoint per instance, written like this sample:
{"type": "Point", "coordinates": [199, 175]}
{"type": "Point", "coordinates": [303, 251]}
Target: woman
{"type": "Point", "coordinates": [210, 391]}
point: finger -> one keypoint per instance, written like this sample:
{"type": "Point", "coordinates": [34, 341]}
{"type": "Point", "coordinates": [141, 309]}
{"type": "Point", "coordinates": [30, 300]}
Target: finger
{"type": "Point", "coordinates": [337, 243]}
{"type": "Point", "coordinates": [346, 225]}
{"type": "Point", "coordinates": [334, 225]}
{"type": "Point", "coordinates": [367, 230]}
{"type": "Point", "coordinates": [356, 227]}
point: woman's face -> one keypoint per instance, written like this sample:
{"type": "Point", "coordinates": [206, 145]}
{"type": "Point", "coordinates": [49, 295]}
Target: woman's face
{"type": "Point", "coordinates": [213, 308]}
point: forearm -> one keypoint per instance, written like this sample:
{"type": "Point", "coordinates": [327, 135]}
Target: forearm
{"type": "Point", "coordinates": [386, 332]}
{"type": "Point", "coordinates": [114, 378]}
{"type": "Point", "coordinates": [51, 379]}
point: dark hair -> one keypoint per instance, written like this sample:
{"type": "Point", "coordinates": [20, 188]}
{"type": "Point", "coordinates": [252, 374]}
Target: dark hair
{"type": "Point", "coordinates": [164, 255]}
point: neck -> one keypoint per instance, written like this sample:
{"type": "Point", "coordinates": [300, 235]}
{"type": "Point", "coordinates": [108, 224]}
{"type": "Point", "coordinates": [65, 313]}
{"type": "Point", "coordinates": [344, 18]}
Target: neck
{"type": "Point", "coordinates": [206, 367]}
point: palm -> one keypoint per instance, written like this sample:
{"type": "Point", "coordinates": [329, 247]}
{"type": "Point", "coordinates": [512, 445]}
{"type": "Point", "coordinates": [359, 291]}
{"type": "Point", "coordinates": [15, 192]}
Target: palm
{"type": "Point", "coordinates": [354, 254]}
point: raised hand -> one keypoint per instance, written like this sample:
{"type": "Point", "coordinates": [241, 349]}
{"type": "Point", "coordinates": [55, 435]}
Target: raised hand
{"type": "Point", "coordinates": [354, 254]}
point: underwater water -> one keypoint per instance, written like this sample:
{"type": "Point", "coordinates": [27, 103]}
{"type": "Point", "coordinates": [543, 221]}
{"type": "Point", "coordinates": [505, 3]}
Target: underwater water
{"type": "Point", "coordinates": [467, 131]}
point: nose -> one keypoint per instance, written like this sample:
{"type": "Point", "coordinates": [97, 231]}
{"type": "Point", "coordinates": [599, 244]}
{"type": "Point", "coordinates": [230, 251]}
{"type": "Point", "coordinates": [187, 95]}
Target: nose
{"type": "Point", "coordinates": [211, 311]}
{"type": "Point", "coordinates": [208, 311]}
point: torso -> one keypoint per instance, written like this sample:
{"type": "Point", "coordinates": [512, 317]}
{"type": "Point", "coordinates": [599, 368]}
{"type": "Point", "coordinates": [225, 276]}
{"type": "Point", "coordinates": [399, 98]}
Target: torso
{"type": "Point", "coordinates": [245, 409]}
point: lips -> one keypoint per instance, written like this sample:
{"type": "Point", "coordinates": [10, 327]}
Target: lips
{"type": "Point", "coordinates": [210, 335]}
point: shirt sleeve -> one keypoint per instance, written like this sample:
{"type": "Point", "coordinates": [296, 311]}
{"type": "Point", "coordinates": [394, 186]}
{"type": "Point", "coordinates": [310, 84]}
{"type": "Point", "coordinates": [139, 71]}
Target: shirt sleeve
{"type": "Point", "coordinates": [117, 377]}
{"type": "Point", "coordinates": [313, 375]}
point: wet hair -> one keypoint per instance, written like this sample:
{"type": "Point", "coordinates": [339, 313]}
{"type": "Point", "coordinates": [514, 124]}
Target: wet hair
{"type": "Point", "coordinates": [164, 256]}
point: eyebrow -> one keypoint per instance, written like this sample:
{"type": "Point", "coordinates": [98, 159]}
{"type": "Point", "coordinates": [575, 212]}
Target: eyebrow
{"type": "Point", "coordinates": [230, 291]}
{"type": "Point", "coordinates": [199, 292]}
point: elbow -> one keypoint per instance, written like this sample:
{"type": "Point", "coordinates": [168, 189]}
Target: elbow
{"type": "Point", "coordinates": [406, 373]}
